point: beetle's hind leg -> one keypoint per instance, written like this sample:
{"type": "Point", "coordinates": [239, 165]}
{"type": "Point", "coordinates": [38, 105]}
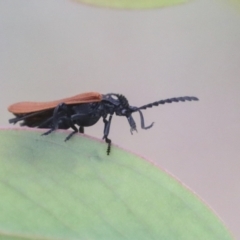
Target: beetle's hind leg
{"type": "Point", "coordinates": [75, 130]}
{"type": "Point", "coordinates": [48, 132]}
{"type": "Point", "coordinates": [70, 135]}
{"type": "Point", "coordinates": [107, 124]}
{"type": "Point", "coordinates": [81, 130]}
{"type": "Point", "coordinates": [59, 118]}
{"type": "Point", "coordinates": [53, 128]}
{"type": "Point", "coordinates": [60, 121]}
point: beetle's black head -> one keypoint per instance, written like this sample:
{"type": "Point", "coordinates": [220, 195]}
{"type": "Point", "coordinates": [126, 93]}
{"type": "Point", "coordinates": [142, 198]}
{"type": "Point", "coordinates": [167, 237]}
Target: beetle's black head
{"type": "Point", "coordinates": [122, 108]}
{"type": "Point", "coordinates": [119, 103]}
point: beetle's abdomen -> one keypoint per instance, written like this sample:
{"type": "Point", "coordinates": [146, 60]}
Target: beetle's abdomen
{"type": "Point", "coordinates": [86, 115]}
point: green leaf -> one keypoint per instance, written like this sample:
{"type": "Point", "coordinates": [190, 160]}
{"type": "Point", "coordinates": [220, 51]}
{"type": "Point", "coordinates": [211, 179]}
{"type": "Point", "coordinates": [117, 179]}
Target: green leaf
{"type": "Point", "coordinates": [51, 189]}
{"type": "Point", "coordinates": [234, 3]}
{"type": "Point", "coordinates": [132, 4]}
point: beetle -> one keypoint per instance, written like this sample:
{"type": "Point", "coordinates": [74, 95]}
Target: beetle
{"type": "Point", "coordinates": [82, 110]}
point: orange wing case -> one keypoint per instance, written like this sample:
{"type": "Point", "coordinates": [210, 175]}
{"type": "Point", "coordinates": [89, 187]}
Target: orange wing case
{"type": "Point", "coordinates": [29, 107]}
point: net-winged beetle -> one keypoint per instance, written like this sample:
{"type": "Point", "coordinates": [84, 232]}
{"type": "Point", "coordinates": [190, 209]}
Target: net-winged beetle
{"type": "Point", "coordinates": [83, 110]}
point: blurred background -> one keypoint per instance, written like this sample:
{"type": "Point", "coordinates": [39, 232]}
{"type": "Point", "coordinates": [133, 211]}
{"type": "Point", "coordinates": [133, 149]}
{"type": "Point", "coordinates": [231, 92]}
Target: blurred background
{"type": "Point", "coordinates": [55, 49]}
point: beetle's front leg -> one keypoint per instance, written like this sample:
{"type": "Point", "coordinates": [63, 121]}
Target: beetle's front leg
{"type": "Point", "coordinates": [132, 124]}
{"type": "Point", "coordinates": [106, 131]}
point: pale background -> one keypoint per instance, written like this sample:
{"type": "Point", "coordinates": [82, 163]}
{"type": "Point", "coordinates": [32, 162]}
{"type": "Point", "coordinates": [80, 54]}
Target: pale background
{"type": "Point", "coordinates": [58, 48]}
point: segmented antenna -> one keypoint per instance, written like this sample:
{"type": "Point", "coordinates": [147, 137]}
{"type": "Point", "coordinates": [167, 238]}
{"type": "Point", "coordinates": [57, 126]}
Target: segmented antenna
{"type": "Point", "coordinates": [170, 100]}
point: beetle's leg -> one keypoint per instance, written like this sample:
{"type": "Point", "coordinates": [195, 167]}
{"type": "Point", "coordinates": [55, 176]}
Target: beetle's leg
{"type": "Point", "coordinates": [132, 124]}
{"type": "Point", "coordinates": [17, 119]}
{"type": "Point", "coordinates": [81, 129]}
{"type": "Point", "coordinates": [106, 131]}
{"type": "Point", "coordinates": [142, 121]}
{"type": "Point", "coordinates": [45, 123]}
{"type": "Point", "coordinates": [48, 132]}
{"type": "Point", "coordinates": [69, 122]}
{"type": "Point", "coordinates": [76, 117]}
{"type": "Point", "coordinates": [59, 121]}
{"type": "Point", "coordinates": [70, 135]}
{"type": "Point", "coordinates": [60, 109]}
{"type": "Point", "coordinates": [55, 127]}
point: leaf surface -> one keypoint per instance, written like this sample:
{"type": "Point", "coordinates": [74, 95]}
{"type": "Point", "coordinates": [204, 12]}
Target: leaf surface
{"type": "Point", "coordinates": [133, 4]}
{"type": "Point", "coordinates": [51, 189]}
